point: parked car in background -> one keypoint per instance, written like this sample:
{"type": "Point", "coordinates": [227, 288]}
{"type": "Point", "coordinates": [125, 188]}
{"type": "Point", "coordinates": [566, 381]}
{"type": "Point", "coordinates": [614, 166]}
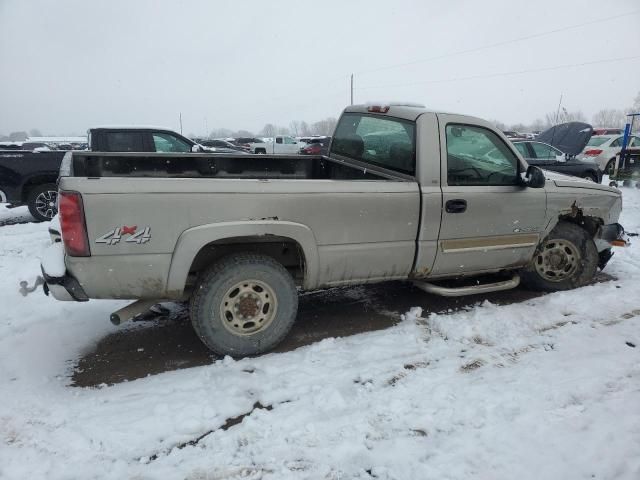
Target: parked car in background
{"type": "Point", "coordinates": [221, 144]}
{"type": "Point", "coordinates": [34, 145]}
{"type": "Point", "coordinates": [549, 157]}
{"type": "Point", "coordinates": [281, 144]}
{"type": "Point", "coordinates": [245, 142]}
{"type": "Point", "coordinates": [603, 149]}
{"type": "Point", "coordinates": [29, 177]}
{"type": "Point", "coordinates": [316, 146]}
{"type": "Point", "coordinates": [608, 131]}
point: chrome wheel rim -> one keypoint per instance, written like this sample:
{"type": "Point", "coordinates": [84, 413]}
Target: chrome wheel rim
{"type": "Point", "coordinates": [558, 260]}
{"type": "Point", "coordinates": [46, 203]}
{"type": "Point", "coordinates": [248, 307]}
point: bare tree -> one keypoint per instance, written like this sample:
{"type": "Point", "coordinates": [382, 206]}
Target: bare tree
{"type": "Point", "coordinates": [220, 133]}
{"type": "Point", "coordinates": [18, 136]}
{"type": "Point", "coordinates": [34, 132]}
{"type": "Point", "coordinates": [609, 117]}
{"type": "Point", "coordinates": [269, 130]}
{"type": "Point", "coordinates": [636, 104]}
{"type": "Point", "coordinates": [242, 133]}
{"type": "Point", "coordinates": [537, 125]}
{"type": "Point", "coordinates": [295, 127]}
{"type": "Point", "coordinates": [304, 129]}
{"type": "Point", "coordinates": [498, 124]}
{"type": "Point", "coordinates": [563, 116]}
{"type": "Point", "coordinates": [282, 131]}
{"type": "Point", "coordinates": [324, 127]}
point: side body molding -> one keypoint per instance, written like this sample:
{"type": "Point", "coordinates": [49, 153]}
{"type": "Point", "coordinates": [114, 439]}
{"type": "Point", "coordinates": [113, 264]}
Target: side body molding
{"type": "Point", "coordinates": [192, 240]}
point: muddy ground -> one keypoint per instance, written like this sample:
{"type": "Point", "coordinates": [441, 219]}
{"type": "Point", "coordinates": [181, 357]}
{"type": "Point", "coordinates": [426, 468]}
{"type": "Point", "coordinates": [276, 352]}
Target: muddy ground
{"type": "Point", "coordinates": [167, 342]}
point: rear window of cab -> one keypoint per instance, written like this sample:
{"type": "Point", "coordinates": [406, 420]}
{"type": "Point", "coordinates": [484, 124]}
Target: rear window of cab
{"type": "Point", "coordinates": [387, 142]}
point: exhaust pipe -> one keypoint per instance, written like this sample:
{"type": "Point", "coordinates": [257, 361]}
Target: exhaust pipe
{"type": "Point", "coordinates": [132, 310]}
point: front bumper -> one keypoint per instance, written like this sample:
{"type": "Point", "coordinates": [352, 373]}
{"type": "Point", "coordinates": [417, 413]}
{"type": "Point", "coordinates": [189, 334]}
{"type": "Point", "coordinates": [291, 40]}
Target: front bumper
{"type": "Point", "coordinates": [57, 279]}
{"type": "Point", "coordinates": [611, 235]}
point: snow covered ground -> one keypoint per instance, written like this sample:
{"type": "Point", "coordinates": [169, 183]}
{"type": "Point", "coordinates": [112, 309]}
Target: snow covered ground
{"type": "Point", "coordinates": [545, 389]}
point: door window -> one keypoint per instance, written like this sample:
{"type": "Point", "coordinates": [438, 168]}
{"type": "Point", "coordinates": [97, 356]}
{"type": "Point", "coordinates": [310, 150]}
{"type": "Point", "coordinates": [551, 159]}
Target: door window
{"type": "Point", "coordinates": [289, 141]}
{"type": "Point", "coordinates": [278, 139]}
{"type": "Point", "coordinates": [544, 151]}
{"type": "Point", "coordinates": [477, 156]}
{"type": "Point", "coordinates": [616, 143]}
{"type": "Point", "coordinates": [165, 142]}
{"type": "Point", "coordinates": [522, 148]}
{"type": "Point", "coordinates": [124, 142]}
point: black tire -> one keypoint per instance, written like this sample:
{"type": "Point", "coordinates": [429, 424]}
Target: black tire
{"type": "Point", "coordinates": [608, 169]}
{"type": "Point", "coordinates": [591, 176]}
{"type": "Point", "coordinates": [261, 151]}
{"type": "Point", "coordinates": [567, 259]}
{"type": "Point", "coordinates": [39, 201]}
{"type": "Point", "coordinates": [217, 314]}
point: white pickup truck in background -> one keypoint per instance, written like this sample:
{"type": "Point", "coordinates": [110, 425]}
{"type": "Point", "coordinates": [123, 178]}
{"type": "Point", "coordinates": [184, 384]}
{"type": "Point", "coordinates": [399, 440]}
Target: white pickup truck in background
{"type": "Point", "coordinates": [280, 144]}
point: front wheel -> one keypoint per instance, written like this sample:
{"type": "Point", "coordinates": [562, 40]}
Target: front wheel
{"type": "Point", "coordinates": [568, 259]}
{"type": "Point", "coordinates": [244, 305]}
{"type": "Point", "coordinates": [43, 202]}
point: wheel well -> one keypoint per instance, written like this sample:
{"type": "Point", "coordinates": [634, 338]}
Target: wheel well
{"type": "Point", "coordinates": [35, 182]}
{"type": "Point", "coordinates": [284, 250]}
{"type": "Point", "coordinates": [588, 223]}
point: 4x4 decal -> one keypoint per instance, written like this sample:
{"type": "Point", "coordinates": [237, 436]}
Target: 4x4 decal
{"type": "Point", "coordinates": [114, 236]}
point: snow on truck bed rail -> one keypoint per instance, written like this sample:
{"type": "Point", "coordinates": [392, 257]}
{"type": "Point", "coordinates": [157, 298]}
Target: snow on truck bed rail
{"type": "Point", "coordinates": [543, 389]}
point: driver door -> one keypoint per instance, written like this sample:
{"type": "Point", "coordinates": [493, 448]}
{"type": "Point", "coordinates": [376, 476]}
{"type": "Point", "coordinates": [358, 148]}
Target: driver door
{"type": "Point", "coordinates": [489, 220]}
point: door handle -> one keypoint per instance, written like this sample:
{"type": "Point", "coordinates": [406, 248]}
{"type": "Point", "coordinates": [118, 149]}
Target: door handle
{"type": "Point", "coordinates": [456, 206]}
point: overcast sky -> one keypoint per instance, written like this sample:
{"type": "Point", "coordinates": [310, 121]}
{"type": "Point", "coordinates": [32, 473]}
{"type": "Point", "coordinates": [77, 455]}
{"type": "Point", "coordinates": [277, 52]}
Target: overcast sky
{"type": "Point", "coordinates": [69, 64]}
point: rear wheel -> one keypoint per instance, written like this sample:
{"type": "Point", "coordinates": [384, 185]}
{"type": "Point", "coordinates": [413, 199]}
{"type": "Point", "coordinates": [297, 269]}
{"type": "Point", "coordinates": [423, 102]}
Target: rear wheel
{"type": "Point", "coordinates": [591, 177]}
{"type": "Point", "coordinates": [567, 259]}
{"type": "Point", "coordinates": [43, 202]}
{"type": "Point", "coordinates": [611, 165]}
{"type": "Point", "coordinates": [244, 305]}
{"type": "Point", "coordinates": [261, 151]}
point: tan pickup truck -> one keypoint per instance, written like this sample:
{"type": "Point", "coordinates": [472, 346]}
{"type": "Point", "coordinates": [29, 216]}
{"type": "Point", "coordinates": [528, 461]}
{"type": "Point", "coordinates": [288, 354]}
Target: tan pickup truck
{"type": "Point", "coordinates": [404, 194]}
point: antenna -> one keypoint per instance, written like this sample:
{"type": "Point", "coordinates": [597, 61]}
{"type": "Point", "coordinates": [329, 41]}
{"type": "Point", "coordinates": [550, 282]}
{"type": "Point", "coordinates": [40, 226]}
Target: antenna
{"type": "Point", "coordinates": [558, 111]}
{"type": "Point", "coordinates": [180, 123]}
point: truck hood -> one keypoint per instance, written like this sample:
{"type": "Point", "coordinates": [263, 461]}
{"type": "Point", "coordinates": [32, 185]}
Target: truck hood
{"type": "Point", "coordinates": [561, 180]}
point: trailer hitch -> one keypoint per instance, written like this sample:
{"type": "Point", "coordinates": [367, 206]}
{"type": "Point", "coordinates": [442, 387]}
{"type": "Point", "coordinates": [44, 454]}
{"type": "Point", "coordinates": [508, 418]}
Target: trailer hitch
{"type": "Point", "coordinates": [25, 289]}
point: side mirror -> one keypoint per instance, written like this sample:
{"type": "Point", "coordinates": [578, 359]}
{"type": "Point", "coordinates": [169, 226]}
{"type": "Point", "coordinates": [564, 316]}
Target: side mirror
{"type": "Point", "coordinates": [534, 177]}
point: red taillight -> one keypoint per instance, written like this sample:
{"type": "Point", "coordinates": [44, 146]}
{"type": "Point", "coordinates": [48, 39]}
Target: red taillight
{"type": "Point", "coordinates": [378, 109]}
{"type": "Point", "coordinates": [593, 152]}
{"type": "Point", "coordinates": [74, 230]}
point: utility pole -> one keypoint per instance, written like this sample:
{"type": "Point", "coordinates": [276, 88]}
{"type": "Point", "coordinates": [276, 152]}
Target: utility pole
{"type": "Point", "coordinates": [180, 123]}
{"type": "Point", "coordinates": [352, 89]}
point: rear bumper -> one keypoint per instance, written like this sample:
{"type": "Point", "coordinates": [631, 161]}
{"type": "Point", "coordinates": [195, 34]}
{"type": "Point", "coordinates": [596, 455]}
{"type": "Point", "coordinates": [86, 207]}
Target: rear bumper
{"type": "Point", "coordinates": [58, 281]}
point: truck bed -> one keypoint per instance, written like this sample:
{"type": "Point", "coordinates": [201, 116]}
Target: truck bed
{"type": "Point", "coordinates": [359, 222]}
{"type": "Point", "coordinates": [196, 165]}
